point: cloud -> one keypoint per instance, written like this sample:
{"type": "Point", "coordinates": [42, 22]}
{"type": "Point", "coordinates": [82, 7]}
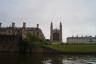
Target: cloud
{"type": "Point", "coordinates": [77, 16]}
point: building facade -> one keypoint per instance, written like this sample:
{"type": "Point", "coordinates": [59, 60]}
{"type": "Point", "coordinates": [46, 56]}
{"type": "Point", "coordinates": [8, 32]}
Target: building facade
{"type": "Point", "coordinates": [56, 34]}
{"type": "Point", "coordinates": [87, 39]}
{"type": "Point", "coordinates": [10, 37]}
{"type": "Point", "coordinates": [22, 32]}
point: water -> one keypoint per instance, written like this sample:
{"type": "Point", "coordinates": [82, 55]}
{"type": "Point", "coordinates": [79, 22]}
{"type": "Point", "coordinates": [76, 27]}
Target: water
{"type": "Point", "coordinates": [38, 58]}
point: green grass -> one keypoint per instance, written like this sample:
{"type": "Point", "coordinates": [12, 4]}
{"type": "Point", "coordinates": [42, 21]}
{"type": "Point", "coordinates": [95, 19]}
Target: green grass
{"type": "Point", "coordinates": [73, 47]}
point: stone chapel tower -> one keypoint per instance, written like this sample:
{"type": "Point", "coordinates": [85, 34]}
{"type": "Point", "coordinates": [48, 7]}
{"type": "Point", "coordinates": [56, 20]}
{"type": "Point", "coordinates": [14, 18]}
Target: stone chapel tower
{"type": "Point", "coordinates": [51, 32]}
{"type": "Point", "coordinates": [56, 34]}
{"type": "Point", "coordinates": [60, 32]}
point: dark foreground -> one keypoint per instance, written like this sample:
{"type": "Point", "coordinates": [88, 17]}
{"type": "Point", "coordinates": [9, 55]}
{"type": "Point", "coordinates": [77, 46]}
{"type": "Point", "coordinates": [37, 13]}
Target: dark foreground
{"type": "Point", "coordinates": [41, 58]}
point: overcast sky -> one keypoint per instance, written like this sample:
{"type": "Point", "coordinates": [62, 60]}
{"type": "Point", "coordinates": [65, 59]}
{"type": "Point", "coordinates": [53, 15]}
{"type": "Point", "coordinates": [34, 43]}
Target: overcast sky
{"type": "Point", "coordinates": [77, 16]}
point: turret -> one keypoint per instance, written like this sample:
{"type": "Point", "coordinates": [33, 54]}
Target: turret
{"type": "Point", "coordinates": [60, 26]}
{"type": "Point", "coordinates": [0, 25]}
{"type": "Point", "coordinates": [13, 25]}
{"type": "Point", "coordinates": [51, 32]}
{"type": "Point", "coordinates": [37, 25]}
{"type": "Point", "coordinates": [24, 25]}
{"type": "Point", "coordinates": [38, 31]}
{"type": "Point", "coordinates": [60, 31]}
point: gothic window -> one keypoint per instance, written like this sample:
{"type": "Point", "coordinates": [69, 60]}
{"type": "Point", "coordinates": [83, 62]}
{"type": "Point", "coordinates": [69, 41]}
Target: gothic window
{"type": "Point", "coordinates": [56, 36]}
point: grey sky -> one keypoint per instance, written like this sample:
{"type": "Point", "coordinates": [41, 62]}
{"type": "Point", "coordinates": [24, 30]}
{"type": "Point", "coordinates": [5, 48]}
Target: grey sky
{"type": "Point", "coordinates": [77, 16]}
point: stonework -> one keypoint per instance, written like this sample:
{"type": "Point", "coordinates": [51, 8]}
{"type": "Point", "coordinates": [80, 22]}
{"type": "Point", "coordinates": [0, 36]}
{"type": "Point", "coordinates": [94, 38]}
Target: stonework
{"type": "Point", "coordinates": [87, 39]}
{"type": "Point", "coordinates": [56, 34]}
{"type": "Point", "coordinates": [22, 32]}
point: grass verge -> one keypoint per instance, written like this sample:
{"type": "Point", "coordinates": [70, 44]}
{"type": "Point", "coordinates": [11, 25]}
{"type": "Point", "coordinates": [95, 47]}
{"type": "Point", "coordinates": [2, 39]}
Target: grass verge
{"type": "Point", "coordinates": [83, 48]}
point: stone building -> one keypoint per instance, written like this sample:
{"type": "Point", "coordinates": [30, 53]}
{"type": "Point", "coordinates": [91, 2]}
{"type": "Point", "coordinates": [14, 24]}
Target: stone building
{"type": "Point", "coordinates": [56, 34]}
{"type": "Point", "coordinates": [87, 39]}
{"type": "Point", "coordinates": [10, 36]}
{"type": "Point", "coordinates": [22, 32]}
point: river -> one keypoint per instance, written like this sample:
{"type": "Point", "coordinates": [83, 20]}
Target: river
{"type": "Point", "coordinates": [39, 58]}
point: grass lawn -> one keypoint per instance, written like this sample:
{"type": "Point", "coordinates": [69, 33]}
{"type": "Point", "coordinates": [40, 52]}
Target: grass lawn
{"type": "Point", "coordinates": [73, 47]}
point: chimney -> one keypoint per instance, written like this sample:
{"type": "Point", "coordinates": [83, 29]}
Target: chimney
{"type": "Point", "coordinates": [0, 25]}
{"type": "Point", "coordinates": [24, 25]}
{"type": "Point", "coordinates": [37, 25]}
{"type": "Point", "coordinates": [13, 25]}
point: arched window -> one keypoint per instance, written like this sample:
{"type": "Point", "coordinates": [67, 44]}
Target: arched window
{"type": "Point", "coordinates": [56, 36]}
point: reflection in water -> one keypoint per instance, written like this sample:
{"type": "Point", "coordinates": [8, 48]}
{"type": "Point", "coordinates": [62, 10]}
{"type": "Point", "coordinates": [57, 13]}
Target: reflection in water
{"type": "Point", "coordinates": [39, 58]}
{"type": "Point", "coordinates": [15, 58]}
{"type": "Point", "coordinates": [71, 59]}
{"type": "Point", "coordinates": [8, 58]}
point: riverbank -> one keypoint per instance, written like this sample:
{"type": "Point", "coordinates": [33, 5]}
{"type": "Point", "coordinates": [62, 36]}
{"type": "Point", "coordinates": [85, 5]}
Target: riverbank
{"type": "Point", "coordinates": [74, 48]}
{"type": "Point", "coordinates": [44, 47]}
